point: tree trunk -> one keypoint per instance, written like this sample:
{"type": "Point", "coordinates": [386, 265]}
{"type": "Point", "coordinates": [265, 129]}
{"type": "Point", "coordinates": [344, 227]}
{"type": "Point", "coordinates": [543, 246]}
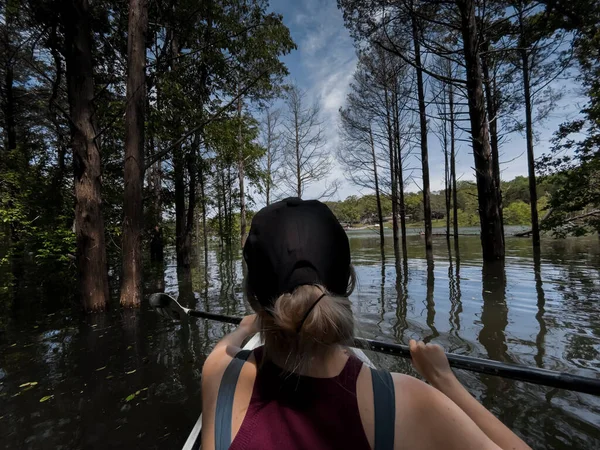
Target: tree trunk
{"type": "Point", "coordinates": [156, 245]}
{"type": "Point", "coordinates": [8, 103]}
{"type": "Point", "coordinates": [92, 271]}
{"type": "Point", "coordinates": [191, 159]}
{"type": "Point", "coordinates": [377, 197]}
{"type": "Point", "coordinates": [453, 168]}
{"type": "Point", "coordinates": [226, 237]}
{"type": "Point", "coordinates": [390, 131]}
{"type": "Point", "coordinates": [241, 176]}
{"type": "Point", "coordinates": [491, 97]}
{"type": "Point", "coordinates": [492, 239]}
{"type": "Point", "coordinates": [229, 206]}
{"type": "Point", "coordinates": [297, 147]}
{"type": "Point", "coordinates": [204, 230]}
{"type": "Point", "coordinates": [535, 226]}
{"type": "Point", "coordinates": [269, 160]}
{"type": "Point", "coordinates": [131, 282]}
{"type": "Point", "coordinates": [447, 181]}
{"type": "Point", "coordinates": [400, 177]}
{"type": "Point", "coordinates": [9, 159]}
{"type": "Point", "coordinates": [424, 150]}
{"type": "Point", "coordinates": [179, 181]}
{"type": "Point", "coordinates": [270, 140]}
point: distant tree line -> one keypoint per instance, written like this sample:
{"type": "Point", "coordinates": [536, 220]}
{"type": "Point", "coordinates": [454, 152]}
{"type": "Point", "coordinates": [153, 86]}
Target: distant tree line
{"type": "Point", "coordinates": [360, 211]}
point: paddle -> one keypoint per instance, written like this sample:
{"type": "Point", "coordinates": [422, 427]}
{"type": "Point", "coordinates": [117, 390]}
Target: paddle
{"type": "Point", "coordinates": [168, 307]}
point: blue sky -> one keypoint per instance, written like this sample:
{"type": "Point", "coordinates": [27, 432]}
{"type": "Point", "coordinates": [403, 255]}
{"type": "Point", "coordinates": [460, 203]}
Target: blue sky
{"type": "Point", "coordinates": [324, 63]}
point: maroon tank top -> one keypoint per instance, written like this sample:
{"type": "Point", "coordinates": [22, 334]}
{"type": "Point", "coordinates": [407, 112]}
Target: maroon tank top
{"type": "Point", "coordinates": [289, 411]}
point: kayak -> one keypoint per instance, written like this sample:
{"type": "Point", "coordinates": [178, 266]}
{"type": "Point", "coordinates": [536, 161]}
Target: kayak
{"type": "Point", "coordinates": [168, 307]}
{"type": "Point", "coordinates": [193, 441]}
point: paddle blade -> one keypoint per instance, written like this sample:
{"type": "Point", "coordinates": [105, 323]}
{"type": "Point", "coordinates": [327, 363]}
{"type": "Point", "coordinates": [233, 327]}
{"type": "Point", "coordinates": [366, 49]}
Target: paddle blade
{"type": "Point", "coordinates": [167, 306]}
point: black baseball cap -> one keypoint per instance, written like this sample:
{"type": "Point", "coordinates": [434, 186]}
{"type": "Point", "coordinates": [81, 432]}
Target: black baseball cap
{"type": "Point", "coordinates": [295, 242]}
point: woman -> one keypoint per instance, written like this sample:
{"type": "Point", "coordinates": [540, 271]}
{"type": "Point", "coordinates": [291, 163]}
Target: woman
{"type": "Point", "coordinates": [304, 389]}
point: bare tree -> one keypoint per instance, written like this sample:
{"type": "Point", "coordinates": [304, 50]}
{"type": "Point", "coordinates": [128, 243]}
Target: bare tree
{"type": "Point", "coordinates": [307, 160]}
{"type": "Point", "coordinates": [271, 140]}
{"type": "Point", "coordinates": [358, 156]}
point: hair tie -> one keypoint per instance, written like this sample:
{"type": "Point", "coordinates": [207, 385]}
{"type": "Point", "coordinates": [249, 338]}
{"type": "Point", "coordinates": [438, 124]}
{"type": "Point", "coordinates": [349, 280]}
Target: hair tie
{"type": "Point", "coordinates": [309, 311]}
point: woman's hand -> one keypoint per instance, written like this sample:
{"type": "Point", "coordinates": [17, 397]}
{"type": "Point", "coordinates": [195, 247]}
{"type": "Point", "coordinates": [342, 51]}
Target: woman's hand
{"type": "Point", "coordinates": [431, 362]}
{"type": "Point", "coordinates": [250, 324]}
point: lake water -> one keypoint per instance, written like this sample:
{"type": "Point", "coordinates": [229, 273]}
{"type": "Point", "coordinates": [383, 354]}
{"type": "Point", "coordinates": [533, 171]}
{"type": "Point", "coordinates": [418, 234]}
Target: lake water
{"type": "Point", "coordinates": [129, 379]}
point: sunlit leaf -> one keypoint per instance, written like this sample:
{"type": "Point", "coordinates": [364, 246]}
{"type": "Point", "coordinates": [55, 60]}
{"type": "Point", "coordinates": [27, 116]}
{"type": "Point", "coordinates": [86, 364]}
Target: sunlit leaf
{"type": "Point", "coordinates": [100, 368]}
{"type": "Point", "coordinates": [31, 383]}
{"type": "Point", "coordinates": [130, 372]}
{"type": "Point", "coordinates": [46, 398]}
{"type": "Point", "coordinates": [129, 397]}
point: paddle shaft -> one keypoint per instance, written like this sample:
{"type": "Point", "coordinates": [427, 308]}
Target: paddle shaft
{"type": "Point", "coordinates": [533, 375]}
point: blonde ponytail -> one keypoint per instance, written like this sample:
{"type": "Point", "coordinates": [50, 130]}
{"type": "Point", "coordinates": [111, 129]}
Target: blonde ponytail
{"type": "Point", "coordinates": [329, 324]}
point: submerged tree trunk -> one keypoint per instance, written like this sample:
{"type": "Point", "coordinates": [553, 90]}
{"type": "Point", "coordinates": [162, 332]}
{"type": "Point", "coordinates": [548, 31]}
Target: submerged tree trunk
{"type": "Point", "coordinates": [201, 181]}
{"type": "Point", "coordinates": [179, 184]}
{"type": "Point", "coordinates": [424, 150]}
{"type": "Point", "coordinates": [377, 197]}
{"type": "Point", "coordinates": [191, 162]}
{"type": "Point", "coordinates": [491, 98]}
{"type": "Point", "coordinates": [156, 244]}
{"type": "Point", "coordinates": [401, 210]}
{"type": "Point", "coordinates": [131, 281]}
{"type": "Point", "coordinates": [447, 181]}
{"type": "Point", "coordinates": [392, 177]}
{"type": "Point", "coordinates": [535, 226]}
{"type": "Point", "coordinates": [492, 239]}
{"type": "Point", "coordinates": [219, 208]}
{"type": "Point", "coordinates": [92, 271]}
{"type": "Point", "coordinates": [453, 168]}
{"type": "Point", "coordinates": [241, 175]}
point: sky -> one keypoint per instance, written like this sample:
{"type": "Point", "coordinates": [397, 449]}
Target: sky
{"type": "Point", "coordinates": [324, 64]}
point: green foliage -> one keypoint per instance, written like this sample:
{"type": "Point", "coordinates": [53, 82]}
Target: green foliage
{"type": "Point", "coordinates": [517, 211]}
{"type": "Point", "coordinates": [363, 209]}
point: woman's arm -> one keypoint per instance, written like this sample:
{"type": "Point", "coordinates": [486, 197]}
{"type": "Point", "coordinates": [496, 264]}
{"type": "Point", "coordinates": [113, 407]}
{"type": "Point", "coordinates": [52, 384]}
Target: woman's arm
{"type": "Point", "coordinates": [213, 370]}
{"type": "Point", "coordinates": [431, 362]}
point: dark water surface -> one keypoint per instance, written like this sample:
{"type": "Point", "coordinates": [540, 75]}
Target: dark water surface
{"type": "Point", "coordinates": [129, 379]}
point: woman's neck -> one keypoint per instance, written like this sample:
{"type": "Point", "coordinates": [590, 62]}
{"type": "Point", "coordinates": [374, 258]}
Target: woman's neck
{"type": "Point", "coordinates": [323, 365]}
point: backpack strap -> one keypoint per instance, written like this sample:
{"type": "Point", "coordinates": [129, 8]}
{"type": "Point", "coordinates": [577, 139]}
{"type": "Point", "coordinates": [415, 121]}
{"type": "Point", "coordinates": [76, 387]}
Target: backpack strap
{"type": "Point", "coordinates": [225, 400]}
{"type": "Point", "coordinates": [384, 399]}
